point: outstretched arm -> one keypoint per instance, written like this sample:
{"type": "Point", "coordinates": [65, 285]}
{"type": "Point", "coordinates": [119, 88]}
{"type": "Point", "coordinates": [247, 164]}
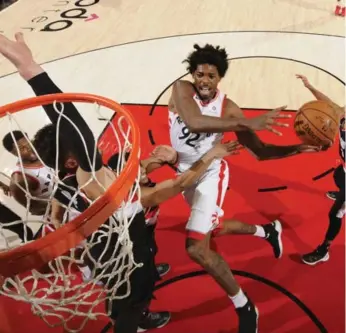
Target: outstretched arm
{"type": "Point", "coordinates": [167, 156]}
{"type": "Point", "coordinates": [20, 55]}
{"type": "Point", "coordinates": [153, 196]}
{"type": "Point", "coordinates": [188, 110]}
{"type": "Point", "coordinates": [261, 150]}
{"type": "Point", "coordinates": [318, 94]}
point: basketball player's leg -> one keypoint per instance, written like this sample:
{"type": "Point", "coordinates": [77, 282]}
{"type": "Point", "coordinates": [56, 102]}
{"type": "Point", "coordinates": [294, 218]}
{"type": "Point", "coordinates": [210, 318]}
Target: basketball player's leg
{"type": "Point", "coordinates": [128, 319]}
{"type": "Point", "coordinates": [336, 214]}
{"type": "Point", "coordinates": [271, 232]}
{"type": "Point", "coordinates": [150, 319]}
{"type": "Point", "coordinates": [141, 281]}
{"type": "Point", "coordinates": [204, 199]}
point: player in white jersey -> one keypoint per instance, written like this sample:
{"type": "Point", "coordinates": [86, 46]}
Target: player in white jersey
{"type": "Point", "coordinates": [337, 211]}
{"type": "Point", "coordinates": [198, 115]}
{"type": "Point", "coordinates": [29, 174]}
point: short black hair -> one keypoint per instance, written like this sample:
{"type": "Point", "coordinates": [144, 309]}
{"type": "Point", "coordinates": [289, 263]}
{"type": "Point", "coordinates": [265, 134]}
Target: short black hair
{"type": "Point", "coordinates": [10, 138]}
{"type": "Point", "coordinates": [46, 146]}
{"type": "Point", "coordinates": [209, 54]}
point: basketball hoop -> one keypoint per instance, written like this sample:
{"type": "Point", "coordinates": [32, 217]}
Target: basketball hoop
{"type": "Point", "coordinates": [54, 294]}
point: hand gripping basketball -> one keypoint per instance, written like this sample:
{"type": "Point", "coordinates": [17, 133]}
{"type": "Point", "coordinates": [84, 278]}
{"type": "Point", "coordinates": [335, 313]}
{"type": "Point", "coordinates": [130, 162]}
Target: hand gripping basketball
{"type": "Point", "coordinates": [267, 121]}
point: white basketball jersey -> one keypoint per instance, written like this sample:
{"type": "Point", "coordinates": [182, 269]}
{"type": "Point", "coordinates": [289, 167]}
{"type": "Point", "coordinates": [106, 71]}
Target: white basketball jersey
{"type": "Point", "coordinates": [42, 175]}
{"type": "Point", "coordinates": [192, 146]}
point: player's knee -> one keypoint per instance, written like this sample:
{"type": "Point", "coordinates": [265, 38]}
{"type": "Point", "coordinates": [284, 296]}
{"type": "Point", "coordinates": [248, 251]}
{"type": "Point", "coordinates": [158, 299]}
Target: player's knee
{"type": "Point", "coordinates": [196, 250]}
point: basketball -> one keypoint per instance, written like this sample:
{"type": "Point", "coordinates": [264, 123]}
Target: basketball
{"type": "Point", "coordinates": [317, 123]}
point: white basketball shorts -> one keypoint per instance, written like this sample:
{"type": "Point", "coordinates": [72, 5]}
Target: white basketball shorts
{"type": "Point", "coordinates": [206, 198]}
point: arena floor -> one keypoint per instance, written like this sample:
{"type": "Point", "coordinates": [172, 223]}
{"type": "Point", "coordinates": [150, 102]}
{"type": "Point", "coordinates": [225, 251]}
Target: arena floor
{"type": "Point", "coordinates": [132, 52]}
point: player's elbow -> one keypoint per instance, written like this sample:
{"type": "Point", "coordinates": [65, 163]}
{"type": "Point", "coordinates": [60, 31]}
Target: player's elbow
{"type": "Point", "coordinates": [193, 124]}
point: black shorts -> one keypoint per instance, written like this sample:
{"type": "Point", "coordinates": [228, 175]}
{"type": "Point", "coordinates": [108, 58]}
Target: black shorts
{"type": "Point", "coordinates": [142, 280]}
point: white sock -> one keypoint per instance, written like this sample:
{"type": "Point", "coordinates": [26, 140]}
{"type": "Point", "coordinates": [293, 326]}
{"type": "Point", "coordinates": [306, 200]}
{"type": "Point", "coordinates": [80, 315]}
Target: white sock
{"type": "Point", "coordinates": [260, 231]}
{"type": "Point", "coordinates": [239, 300]}
{"type": "Point", "coordinates": [86, 272]}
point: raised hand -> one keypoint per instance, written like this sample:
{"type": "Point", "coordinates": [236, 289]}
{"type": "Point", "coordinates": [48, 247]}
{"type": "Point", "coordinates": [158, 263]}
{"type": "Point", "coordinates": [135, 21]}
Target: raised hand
{"type": "Point", "coordinates": [15, 51]}
{"type": "Point", "coordinates": [19, 54]}
{"type": "Point", "coordinates": [304, 79]}
{"type": "Point", "coordinates": [268, 120]}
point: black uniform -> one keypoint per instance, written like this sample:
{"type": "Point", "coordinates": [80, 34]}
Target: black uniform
{"type": "Point", "coordinates": [7, 216]}
{"type": "Point", "coordinates": [128, 311]}
{"type": "Point", "coordinates": [339, 173]}
{"type": "Point", "coordinates": [337, 211]}
{"type": "Point", "coordinates": [142, 280]}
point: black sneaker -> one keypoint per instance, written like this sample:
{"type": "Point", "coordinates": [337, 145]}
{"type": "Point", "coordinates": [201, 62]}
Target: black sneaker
{"type": "Point", "coordinates": [321, 254]}
{"type": "Point", "coordinates": [273, 233]}
{"type": "Point", "coordinates": [331, 195]}
{"type": "Point", "coordinates": [163, 269]}
{"type": "Point", "coordinates": [248, 318]}
{"type": "Point", "coordinates": [152, 320]}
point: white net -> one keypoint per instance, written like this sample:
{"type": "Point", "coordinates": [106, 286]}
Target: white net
{"type": "Point", "coordinates": [73, 288]}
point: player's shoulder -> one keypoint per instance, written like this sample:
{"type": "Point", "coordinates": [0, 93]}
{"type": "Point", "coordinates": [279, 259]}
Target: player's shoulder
{"type": "Point", "coordinates": [184, 85]}
{"type": "Point", "coordinates": [22, 176]}
{"type": "Point", "coordinates": [231, 108]}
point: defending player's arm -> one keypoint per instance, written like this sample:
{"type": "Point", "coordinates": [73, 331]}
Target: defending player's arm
{"type": "Point", "coordinates": [21, 57]}
{"type": "Point", "coordinates": [19, 187]}
{"type": "Point", "coordinates": [318, 94]}
{"type": "Point", "coordinates": [152, 163]}
{"type": "Point", "coordinates": [153, 196]}
{"type": "Point", "coordinates": [260, 149]}
{"type": "Point", "coordinates": [57, 213]}
{"type": "Point", "coordinates": [168, 157]}
{"type": "Point", "coordinates": [188, 110]}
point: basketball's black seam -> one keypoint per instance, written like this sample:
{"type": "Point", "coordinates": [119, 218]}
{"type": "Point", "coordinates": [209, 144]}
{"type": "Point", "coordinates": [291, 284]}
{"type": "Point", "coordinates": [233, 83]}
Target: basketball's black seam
{"type": "Point", "coordinates": [314, 126]}
{"type": "Point", "coordinates": [323, 113]}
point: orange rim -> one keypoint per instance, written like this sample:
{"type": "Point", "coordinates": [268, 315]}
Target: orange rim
{"type": "Point", "coordinates": [36, 254]}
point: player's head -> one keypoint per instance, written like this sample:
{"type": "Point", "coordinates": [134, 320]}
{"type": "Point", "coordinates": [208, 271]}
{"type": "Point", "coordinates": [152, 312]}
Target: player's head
{"type": "Point", "coordinates": [207, 65]}
{"type": "Point", "coordinates": [114, 161]}
{"type": "Point", "coordinates": [15, 139]}
{"type": "Point", "coordinates": [46, 147]}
